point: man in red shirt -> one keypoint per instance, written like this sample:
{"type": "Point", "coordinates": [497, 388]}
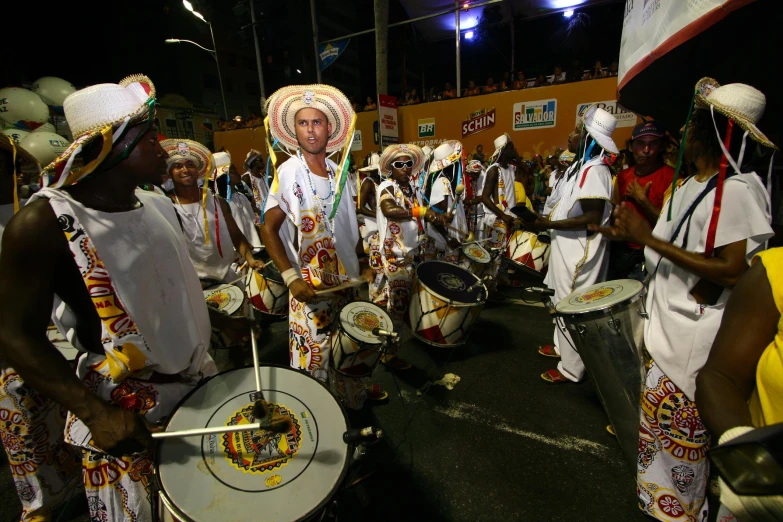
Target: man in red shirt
{"type": "Point", "coordinates": [642, 187]}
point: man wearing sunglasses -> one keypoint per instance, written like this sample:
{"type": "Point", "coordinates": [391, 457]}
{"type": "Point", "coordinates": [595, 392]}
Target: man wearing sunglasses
{"type": "Point", "coordinates": [109, 262]}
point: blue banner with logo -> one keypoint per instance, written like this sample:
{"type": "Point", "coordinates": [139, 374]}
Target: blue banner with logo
{"type": "Point", "coordinates": [329, 52]}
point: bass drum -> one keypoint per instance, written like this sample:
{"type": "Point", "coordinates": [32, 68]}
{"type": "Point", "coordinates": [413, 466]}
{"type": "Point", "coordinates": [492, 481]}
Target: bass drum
{"type": "Point", "coordinates": [527, 252]}
{"type": "Point", "coordinates": [356, 351]}
{"type": "Point", "coordinates": [253, 475]}
{"type": "Point", "coordinates": [267, 293]}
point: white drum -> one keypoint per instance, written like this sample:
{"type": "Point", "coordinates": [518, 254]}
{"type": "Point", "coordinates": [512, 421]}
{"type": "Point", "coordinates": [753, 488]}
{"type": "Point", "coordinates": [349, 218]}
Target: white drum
{"type": "Point", "coordinates": [355, 349]}
{"type": "Point", "coordinates": [267, 292]}
{"type": "Point", "coordinates": [476, 260]}
{"type": "Point", "coordinates": [254, 475]}
{"type": "Point", "coordinates": [224, 298]}
{"type": "Point", "coordinates": [526, 251]}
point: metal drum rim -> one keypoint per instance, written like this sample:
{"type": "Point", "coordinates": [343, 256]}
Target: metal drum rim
{"type": "Point", "coordinates": [604, 311]}
{"type": "Point", "coordinates": [321, 505]}
{"type": "Point", "coordinates": [340, 325]}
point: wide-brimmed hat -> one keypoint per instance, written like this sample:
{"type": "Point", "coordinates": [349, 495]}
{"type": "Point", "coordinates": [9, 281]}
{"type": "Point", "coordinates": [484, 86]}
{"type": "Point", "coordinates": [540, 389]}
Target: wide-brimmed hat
{"type": "Point", "coordinates": [222, 162]}
{"type": "Point", "coordinates": [375, 163]}
{"type": "Point", "coordinates": [283, 105]}
{"type": "Point", "coordinates": [600, 125]}
{"type": "Point", "coordinates": [474, 166]}
{"type": "Point", "coordinates": [567, 157]}
{"type": "Point", "coordinates": [426, 150]}
{"type": "Point", "coordinates": [94, 112]}
{"type": "Point", "coordinates": [392, 152]}
{"type": "Point", "coordinates": [500, 142]}
{"type": "Point", "coordinates": [182, 149]}
{"type": "Point", "coordinates": [741, 103]}
{"type": "Point", "coordinates": [251, 157]}
{"type": "Point", "coordinates": [447, 153]}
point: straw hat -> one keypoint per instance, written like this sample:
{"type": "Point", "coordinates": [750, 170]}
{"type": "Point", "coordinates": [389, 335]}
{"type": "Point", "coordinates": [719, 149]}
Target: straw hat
{"type": "Point", "coordinates": [375, 163]}
{"type": "Point", "coordinates": [567, 157]}
{"type": "Point", "coordinates": [447, 153]}
{"type": "Point", "coordinates": [474, 166]}
{"type": "Point", "coordinates": [251, 157]}
{"type": "Point", "coordinates": [283, 105]}
{"type": "Point", "coordinates": [392, 152]}
{"type": "Point", "coordinates": [426, 150]}
{"type": "Point", "coordinates": [222, 161]}
{"type": "Point", "coordinates": [93, 112]}
{"type": "Point", "coordinates": [181, 150]}
{"type": "Point", "coordinates": [500, 142]}
{"type": "Point", "coordinates": [741, 103]}
{"type": "Point", "coordinates": [600, 125]}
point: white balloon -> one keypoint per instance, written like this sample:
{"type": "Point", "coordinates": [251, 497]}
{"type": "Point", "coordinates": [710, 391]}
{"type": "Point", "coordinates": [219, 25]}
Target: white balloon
{"type": "Point", "coordinates": [52, 90]}
{"type": "Point", "coordinates": [17, 134]}
{"type": "Point", "coordinates": [46, 127]}
{"type": "Point", "coordinates": [45, 146]}
{"type": "Point", "coordinates": [22, 108]}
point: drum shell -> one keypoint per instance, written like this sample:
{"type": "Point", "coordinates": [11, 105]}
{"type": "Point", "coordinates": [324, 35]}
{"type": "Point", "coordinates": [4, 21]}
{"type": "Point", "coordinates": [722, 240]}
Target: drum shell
{"type": "Point", "coordinates": [266, 295]}
{"type": "Point", "coordinates": [457, 318]}
{"type": "Point", "coordinates": [522, 252]}
{"type": "Point", "coordinates": [611, 344]}
{"type": "Point", "coordinates": [353, 357]}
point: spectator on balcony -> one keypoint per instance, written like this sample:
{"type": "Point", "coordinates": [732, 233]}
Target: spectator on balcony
{"type": "Point", "coordinates": [472, 89]}
{"type": "Point", "coordinates": [415, 97]}
{"type": "Point", "coordinates": [521, 81]}
{"type": "Point", "coordinates": [613, 69]}
{"type": "Point", "coordinates": [370, 104]}
{"type": "Point", "coordinates": [576, 72]}
{"type": "Point", "coordinates": [540, 81]}
{"type": "Point", "coordinates": [491, 86]}
{"type": "Point", "coordinates": [478, 154]}
{"type": "Point", "coordinates": [449, 92]}
{"type": "Point", "coordinates": [505, 85]}
{"type": "Point", "coordinates": [557, 75]}
{"type": "Point", "coordinates": [354, 105]}
{"type": "Point", "coordinates": [598, 71]}
{"type": "Point", "coordinates": [432, 96]}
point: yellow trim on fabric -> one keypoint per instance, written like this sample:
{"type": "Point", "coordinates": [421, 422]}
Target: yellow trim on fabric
{"type": "Point", "coordinates": [13, 161]}
{"type": "Point", "coordinates": [204, 191]}
{"type": "Point", "coordinates": [272, 156]}
{"type": "Point", "coordinates": [75, 175]}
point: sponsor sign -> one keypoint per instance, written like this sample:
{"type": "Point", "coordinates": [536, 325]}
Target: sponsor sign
{"type": "Point", "coordinates": [539, 114]}
{"type": "Point", "coordinates": [357, 141]}
{"type": "Point", "coordinates": [328, 53]}
{"type": "Point", "coordinates": [387, 118]}
{"type": "Point", "coordinates": [478, 121]}
{"type": "Point", "coordinates": [625, 118]}
{"type": "Point", "coordinates": [426, 127]}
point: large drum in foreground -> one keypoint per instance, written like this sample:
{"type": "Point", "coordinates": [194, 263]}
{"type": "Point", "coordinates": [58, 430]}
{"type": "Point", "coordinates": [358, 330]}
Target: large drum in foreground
{"type": "Point", "coordinates": [254, 475]}
{"type": "Point", "coordinates": [445, 301]}
{"type": "Point", "coordinates": [606, 322]}
{"type": "Point", "coordinates": [527, 252]}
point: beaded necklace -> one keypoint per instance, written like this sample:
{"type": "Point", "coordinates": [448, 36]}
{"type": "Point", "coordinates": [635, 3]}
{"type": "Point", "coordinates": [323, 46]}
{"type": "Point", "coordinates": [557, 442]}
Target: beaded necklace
{"type": "Point", "coordinates": [320, 203]}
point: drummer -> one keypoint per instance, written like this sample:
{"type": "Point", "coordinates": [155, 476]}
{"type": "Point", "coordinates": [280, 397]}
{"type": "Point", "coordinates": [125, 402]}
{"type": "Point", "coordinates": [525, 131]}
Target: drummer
{"type": "Point", "coordinates": [314, 248]}
{"type": "Point", "coordinates": [578, 258]}
{"type": "Point", "coordinates": [497, 198]}
{"type": "Point", "coordinates": [239, 197]}
{"type": "Point", "coordinates": [693, 266]}
{"type": "Point", "coordinates": [211, 232]}
{"type": "Point", "coordinates": [474, 176]}
{"type": "Point", "coordinates": [93, 233]}
{"type": "Point", "coordinates": [445, 193]}
{"type": "Point", "coordinates": [368, 225]}
{"type": "Point", "coordinates": [401, 221]}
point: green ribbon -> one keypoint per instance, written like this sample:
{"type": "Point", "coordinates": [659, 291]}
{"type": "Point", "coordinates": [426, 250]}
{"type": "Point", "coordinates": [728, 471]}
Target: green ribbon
{"type": "Point", "coordinates": [680, 155]}
{"type": "Point", "coordinates": [343, 177]}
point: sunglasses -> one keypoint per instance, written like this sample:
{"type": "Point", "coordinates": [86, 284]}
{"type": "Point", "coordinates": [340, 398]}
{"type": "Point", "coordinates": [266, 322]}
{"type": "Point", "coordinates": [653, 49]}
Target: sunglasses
{"type": "Point", "coordinates": [402, 164]}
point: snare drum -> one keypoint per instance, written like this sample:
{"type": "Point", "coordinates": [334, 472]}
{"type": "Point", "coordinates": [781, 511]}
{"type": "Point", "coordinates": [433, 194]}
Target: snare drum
{"type": "Point", "coordinates": [526, 251]}
{"type": "Point", "coordinates": [476, 260]}
{"type": "Point", "coordinates": [250, 475]}
{"type": "Point", "coordinates": [267, 292]}
{"type": "Point", "coordinates": [606, 323]}
{"type": "Point", "coordinates": [355, 350]}
{"type": "Point", "coordinates": [446, 301]}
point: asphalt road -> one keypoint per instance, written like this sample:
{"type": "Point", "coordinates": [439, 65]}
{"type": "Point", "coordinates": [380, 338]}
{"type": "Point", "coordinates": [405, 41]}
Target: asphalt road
{"type": "Point", "coordinates": [502, 445]}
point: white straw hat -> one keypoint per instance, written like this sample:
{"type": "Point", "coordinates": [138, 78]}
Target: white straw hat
{"type": "Point", "coordinates": [392, 152]}
{"type": "Point", "coordinates": [375, 163]}
{"type": "Point", "coordinates": [600, 125]}
{"type": "Point", "coordinates": [222, 162]}
{"type": "Point", "coordinates": [741, 103]}
{"type": "Point", "coordinates": [180, 150]}
{"type": "Point", "coordinates": [283, 105]}
{"type": "Point", "coordinates": [500, 142]}
{"type": "Point", "coordinates": [447, 153]}
{"type": "Point", "coordinates": [426, 150]}
{"type": "Point", "coordinates": [251, 157]}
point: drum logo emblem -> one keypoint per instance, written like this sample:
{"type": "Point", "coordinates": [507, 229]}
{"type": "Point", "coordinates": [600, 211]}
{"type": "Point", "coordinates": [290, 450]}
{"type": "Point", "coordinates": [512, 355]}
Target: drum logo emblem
{"type": "Point", "coordinates": [594, 295]}
{"type": "Point", "coordinates": [260, 451]}
{"type": "Point", "coordinates": [366, 321]}
{"type": "Point", "coordinates": [451, 281]}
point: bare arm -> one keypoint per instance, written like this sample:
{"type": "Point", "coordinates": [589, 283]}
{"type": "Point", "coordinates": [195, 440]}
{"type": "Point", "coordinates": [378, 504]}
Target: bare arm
{"type": "Point", "coordinates": [274, 218]}
{"type": "Point", "coordinates": [725, 384]}
{"type": "Point", "coordinates": [367, 200]}
{"type": "Point", "coordinates": [593, 213]}
{"type": "Point", "coordinates": [490, 189]}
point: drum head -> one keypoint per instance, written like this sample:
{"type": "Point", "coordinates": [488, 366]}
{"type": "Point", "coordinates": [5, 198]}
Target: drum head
{"type": "Point", "coordinates": [599, 296]}
{"type": "Point", "coordinates": [271, 273]}
{"type": "Point", "coordinates": [449, 282]}
{"type": "Point", "coordinates": [358, 319]}
{"type": "Point", "coordinates": [250, 475]}
{"type": "Point", "coordinates": [476, 253]}
{"type": "Point", "coordinates": [228, 298]}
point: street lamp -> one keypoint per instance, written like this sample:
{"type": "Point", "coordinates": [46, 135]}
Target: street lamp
{"type": "Point", "coordinates": [212, 52]}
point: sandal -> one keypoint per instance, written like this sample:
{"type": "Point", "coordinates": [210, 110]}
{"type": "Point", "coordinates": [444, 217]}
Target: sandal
{"type": "Point", "coordinates": [548, 351]}
{"type": "Point", "coordinates": [375, 393]}
{"type": "Point", "coordinates": [554, 377]}
{"type": "Point", "coordinates": [396, 364]}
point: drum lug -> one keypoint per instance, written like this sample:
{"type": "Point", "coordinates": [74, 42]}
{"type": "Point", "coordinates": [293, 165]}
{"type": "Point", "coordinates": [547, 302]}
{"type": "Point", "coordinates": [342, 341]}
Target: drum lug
{"type": "Point", "coordinates": [578, 328]}
{"type": "Point", "coordinates": [614, 324]}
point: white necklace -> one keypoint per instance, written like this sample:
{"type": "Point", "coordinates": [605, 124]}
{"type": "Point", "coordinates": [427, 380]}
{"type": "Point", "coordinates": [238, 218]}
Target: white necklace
{"type": "Point", "coordinates": [194, 217]}
{"type": "Point", "coordinates": [319, 207]}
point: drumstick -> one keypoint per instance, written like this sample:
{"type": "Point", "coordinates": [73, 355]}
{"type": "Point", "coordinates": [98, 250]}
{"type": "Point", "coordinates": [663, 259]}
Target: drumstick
{"type": "Point", "coordinates": [476, 242]}
{"type": "Point", "coordinates": [254, 346]}
{"type": "Point", "coordinates": [277, 424]}
{"type": "Point", "coordinates": [343, 286]}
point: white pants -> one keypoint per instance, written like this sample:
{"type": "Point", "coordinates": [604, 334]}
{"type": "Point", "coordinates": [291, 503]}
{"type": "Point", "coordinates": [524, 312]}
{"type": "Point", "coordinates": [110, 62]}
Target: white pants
{"type": "Point", "coordinates": [570, 365]}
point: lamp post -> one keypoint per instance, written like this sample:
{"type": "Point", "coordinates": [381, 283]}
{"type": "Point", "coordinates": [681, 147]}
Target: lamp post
{"type": "Point", "coordinates": [213, 52]}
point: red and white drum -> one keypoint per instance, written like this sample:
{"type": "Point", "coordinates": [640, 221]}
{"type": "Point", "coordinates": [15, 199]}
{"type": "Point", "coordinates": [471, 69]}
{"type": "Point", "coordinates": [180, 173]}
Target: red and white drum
{"type": "Point", "coordinates": [446, 300]}
{"type": "Point", "coordinates": [267, 292]}
{"type": "Point", "coordinates": [525, 250]}
{"type": "Point", "coordinates": [355, 349]}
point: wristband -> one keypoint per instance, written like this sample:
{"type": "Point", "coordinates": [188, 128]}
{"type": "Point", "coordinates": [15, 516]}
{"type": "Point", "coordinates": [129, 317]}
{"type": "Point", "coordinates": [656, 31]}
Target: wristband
{"type": "Point", "coordinates": [290, 275]}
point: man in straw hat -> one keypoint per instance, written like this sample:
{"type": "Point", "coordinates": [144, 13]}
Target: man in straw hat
{"type": "Point", "coordinates": [578, 258]}
{"type": "Point", "coordinates": [310, 227]}
{"type": "Point", "coordinates": [699, 248]}
{"type": "Point", "coordinates": [445, 192]}
{"type": "Point", "coordinates": [497, 198]}
{"type": "Point", "coordinates": [45, 469]}
{"type": "Point", "coordinates": [111, 261]}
